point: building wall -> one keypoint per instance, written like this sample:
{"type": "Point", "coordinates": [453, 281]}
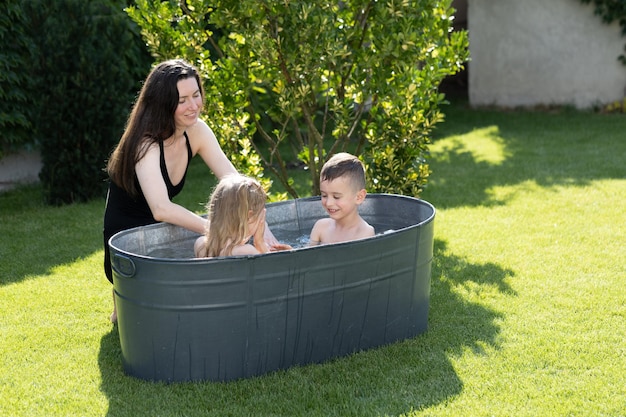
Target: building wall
{"type": "Point", "coordinates": [538, 52]}
{"type": "Point", "coordinates": [19, 168]}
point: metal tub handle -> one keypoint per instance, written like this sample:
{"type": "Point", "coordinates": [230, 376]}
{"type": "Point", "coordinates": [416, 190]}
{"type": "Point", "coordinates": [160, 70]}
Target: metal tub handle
{"type": "Point", "coordinates": [123, 265]}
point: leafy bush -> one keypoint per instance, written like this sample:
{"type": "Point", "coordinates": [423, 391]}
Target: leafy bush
{"type": "Point", "coordinates": [90, 58]}
{"type": "Point", "coordinates": [17, 91]}
{"type": "Point", "coordinates": [316, 77]}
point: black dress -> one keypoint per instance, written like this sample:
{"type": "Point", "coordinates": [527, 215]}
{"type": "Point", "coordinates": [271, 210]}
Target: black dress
{"type": "Point", "coordinates": [124, 212]}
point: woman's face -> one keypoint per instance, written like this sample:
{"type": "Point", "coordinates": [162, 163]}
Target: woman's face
{"type": "Point", "coordinates": [189, 103]}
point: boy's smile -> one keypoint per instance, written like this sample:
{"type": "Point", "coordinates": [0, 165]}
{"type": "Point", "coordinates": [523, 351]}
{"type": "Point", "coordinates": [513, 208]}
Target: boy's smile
{"type": "Point", "coordinates": [338, 197]}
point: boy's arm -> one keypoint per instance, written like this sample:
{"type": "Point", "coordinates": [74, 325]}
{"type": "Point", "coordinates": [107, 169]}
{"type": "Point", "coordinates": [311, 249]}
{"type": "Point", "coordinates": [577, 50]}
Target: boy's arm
{"type": "Point", "coordinates": [315, 238]}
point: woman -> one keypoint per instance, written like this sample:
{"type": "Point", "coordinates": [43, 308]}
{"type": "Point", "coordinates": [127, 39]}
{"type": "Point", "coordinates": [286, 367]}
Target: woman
{"type": "Point", "coordinates": [149, 165]}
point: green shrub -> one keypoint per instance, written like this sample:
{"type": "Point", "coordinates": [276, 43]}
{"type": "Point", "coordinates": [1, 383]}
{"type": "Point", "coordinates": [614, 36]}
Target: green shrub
{"type": "Point", "coordinates": [611, 11]}
{"type": "Point", "coordinates": [317, 77]}
{"type": "Point", "coordinates": [90, 61]}
{"type": "Point", "coordinates": [17, 91]}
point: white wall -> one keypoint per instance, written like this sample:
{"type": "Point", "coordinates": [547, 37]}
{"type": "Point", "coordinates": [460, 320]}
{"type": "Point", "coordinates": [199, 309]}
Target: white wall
{"type": "Point", "coordinates": [19, 168]}
{"type": "Point", "coordinates": [531, 52]}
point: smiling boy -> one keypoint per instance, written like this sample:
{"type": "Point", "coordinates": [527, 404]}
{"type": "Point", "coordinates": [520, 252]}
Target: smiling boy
{"type": "Point", "coordinates": [342, 189]}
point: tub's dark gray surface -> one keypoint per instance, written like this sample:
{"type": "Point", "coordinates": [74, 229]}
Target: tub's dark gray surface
{"type": "Point", "coordinates": [223, 319]}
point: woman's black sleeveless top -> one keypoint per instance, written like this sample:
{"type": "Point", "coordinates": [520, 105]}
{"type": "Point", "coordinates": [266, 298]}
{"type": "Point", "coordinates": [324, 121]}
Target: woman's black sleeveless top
{"type": "Point", "coordinates": [124, 211]}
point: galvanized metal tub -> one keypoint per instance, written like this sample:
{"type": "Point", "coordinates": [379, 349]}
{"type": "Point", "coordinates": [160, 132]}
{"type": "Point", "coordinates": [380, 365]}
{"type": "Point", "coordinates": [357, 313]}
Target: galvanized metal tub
{"type": "Point", "coordinates": [220, 319]}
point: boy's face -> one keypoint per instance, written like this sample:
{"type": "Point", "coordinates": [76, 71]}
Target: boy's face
{"type": "Point", "coordinates": [339, 197]}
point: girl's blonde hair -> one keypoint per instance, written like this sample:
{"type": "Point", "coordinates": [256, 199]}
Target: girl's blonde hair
{"type": "Point", "coordinates": [235, 200]}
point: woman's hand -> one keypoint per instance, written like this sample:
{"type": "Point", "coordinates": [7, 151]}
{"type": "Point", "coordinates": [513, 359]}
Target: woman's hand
{"type": "Point", "coordinates": [269, 237]}
{"type": "Point", "coordinates": [280, 246]}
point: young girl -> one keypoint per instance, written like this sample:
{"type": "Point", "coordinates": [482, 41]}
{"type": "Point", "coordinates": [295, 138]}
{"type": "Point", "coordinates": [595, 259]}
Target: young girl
{"type": "Point", "coordinates": [236, 213]}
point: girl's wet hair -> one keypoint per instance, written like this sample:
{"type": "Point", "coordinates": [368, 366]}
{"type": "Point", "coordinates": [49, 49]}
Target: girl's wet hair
{"type": "Point", "coordinates": [235, 200]}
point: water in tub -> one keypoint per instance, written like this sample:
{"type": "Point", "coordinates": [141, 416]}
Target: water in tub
{"type": "Point", "coordinates": [185, 250]}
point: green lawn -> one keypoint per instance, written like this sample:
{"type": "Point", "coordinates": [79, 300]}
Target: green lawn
{"type": "Point", "coordinates": [528, 302]}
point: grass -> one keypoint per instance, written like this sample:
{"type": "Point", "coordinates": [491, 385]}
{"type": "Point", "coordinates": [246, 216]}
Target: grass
{"type": "Point", "coordinates": [528, 303]}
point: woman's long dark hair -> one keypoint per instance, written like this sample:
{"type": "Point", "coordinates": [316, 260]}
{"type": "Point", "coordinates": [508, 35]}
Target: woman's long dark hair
{"type": "Point", "coordinates": [150, 121]}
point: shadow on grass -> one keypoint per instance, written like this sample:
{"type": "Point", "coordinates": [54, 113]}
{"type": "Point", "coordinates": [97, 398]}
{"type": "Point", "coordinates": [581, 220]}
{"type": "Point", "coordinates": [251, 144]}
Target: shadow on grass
{"type": "Point", "coordinates": [412, 374]}
{"type": "Point", "coordinates": [550, 148]}
{"type": "Point", "coordinates": [34, 237]}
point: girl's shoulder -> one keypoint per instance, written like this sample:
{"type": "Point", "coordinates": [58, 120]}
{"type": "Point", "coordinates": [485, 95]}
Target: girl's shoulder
{"type": "Point", "coordinates": [199, 247]}
{"type": "Point", "coordinates": [245, 249]}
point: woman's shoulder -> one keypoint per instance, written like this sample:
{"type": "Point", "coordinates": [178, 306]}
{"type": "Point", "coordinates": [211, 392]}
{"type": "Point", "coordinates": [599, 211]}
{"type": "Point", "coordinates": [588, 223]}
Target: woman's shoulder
{"type": "Point", "coordinates": [200, 135]}
{"type": "Point", "coordinates": [199, 129]}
